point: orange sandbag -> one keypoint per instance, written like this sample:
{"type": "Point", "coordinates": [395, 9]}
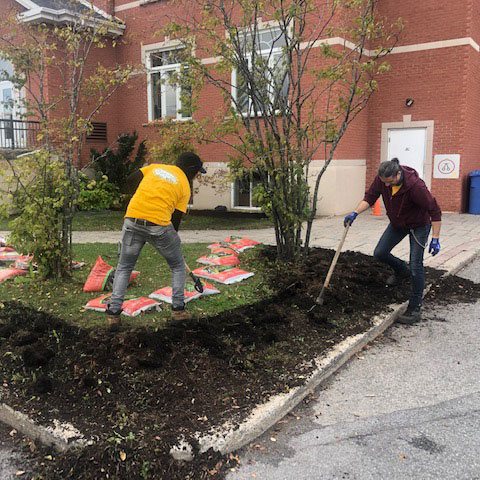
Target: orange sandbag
{"type": "Point", "coordinates": [130, 307]}
{"type": "Point", "coordinates": [101, 277]}
{"type": "Point", "coordinates": [6, 273]}
{"type": "Point", "coordinates": [165, 293]}
{"type": "Point", "coordinates": [238, 244]}
{"type": "Point", "coordinates": [98, 277]}
{"type": "Point", "coordinates": [222, 273]}
{"type": "Point", "coordinates": [220, 258]}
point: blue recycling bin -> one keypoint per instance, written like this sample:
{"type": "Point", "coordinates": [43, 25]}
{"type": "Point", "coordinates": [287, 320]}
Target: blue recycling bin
{"type": "Point", "coordinates": [474, 195]}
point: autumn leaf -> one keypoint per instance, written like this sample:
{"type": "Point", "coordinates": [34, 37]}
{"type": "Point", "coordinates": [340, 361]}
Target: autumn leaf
{"type": "Point", "coordinates": [123, 456]}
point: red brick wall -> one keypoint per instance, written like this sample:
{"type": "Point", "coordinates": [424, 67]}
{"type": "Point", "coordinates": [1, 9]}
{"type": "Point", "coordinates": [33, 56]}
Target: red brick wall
{"type": "Point", "coordinates": [436, 80]}
{"type": "Point", "coordinates": [429, 20]}
{"type": "Point", "coordinates": [142, 24]}
{"type": "Point", "coordinates": [443, 82]}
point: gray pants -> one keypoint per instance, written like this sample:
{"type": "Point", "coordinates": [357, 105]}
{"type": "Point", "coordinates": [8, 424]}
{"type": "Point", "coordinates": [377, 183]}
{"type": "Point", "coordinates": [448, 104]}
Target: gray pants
{"type": "Point", "coordinates": [167, 242]}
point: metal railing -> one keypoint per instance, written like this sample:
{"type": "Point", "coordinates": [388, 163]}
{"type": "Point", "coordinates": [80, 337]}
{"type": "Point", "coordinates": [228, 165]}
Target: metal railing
{"type": "Point", "coordinates": [18, 134]}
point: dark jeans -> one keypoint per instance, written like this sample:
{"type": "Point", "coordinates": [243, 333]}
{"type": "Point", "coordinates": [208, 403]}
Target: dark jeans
{"type": "Point", "coordinates": [418, 239]}
{"type": "Point", "coordinates": [167, 242]}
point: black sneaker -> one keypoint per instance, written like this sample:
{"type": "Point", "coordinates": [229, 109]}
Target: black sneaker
{"type": "Point", "coordinates": [397, 278]}
{"type": "Point", "coordinates": [411, 316]}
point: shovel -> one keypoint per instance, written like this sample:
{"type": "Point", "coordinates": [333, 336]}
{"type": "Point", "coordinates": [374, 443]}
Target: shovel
{"type": "Point", "coordinates": [320, 300]}
{"type": "Point", "coordinates": [198, 284]}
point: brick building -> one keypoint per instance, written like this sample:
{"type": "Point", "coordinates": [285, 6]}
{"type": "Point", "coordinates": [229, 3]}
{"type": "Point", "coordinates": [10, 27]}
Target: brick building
{"type": "Point", "coordinates": [425, 112]}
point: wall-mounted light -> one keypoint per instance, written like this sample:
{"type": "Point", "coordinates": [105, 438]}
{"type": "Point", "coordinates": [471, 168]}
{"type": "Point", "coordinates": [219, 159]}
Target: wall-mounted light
{"type": "Point", "coordinates": [409, 102]}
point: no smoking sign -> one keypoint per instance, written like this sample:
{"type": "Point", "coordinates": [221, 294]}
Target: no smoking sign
{"type": "Point", "coordinates": [446, 166]}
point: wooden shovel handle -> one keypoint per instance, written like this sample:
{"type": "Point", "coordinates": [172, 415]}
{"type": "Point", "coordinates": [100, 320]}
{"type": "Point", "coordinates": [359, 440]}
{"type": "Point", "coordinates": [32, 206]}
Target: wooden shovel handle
{"type": "Point", "coordinates": [335, 258]}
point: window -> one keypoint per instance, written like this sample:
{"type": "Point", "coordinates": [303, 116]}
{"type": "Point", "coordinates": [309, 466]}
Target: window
{"type": "Point", "coordinates": [269, 89]}
{"type": "Point", "coordinates": [6, 69]}
{"type": "Point", "coordinates": [8, 108]}
{"type": "Point", "coordinates": [243, 191]}
{"type": "Point", "coordinates": [170, 93]}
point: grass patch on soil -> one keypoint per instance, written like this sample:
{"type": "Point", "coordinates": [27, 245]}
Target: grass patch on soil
{"type": "Point", "coordinates": [66, 299]}
{"type": "Point", "coordinates": [194, 220]}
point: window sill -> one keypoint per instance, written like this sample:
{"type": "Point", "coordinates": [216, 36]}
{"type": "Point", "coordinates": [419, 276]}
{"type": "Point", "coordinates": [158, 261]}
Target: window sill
{"type": "Point", "coordinates": [146, 2]}
{"type": "Point", "coordinates": [160, 121]}
{"type": "Point", "coordinates": [247, 209]}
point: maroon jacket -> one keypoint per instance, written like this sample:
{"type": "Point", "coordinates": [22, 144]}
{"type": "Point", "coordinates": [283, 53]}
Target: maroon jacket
{"type": "Point", "coordinates": [412, 206]}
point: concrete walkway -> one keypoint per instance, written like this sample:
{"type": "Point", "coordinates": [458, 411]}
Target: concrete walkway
{"type": "Point", "coordinates": [459, 238]}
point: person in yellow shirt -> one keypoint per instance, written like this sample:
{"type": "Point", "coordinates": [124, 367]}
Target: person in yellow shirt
{"type": "Point", "coordinates": [153, 215]}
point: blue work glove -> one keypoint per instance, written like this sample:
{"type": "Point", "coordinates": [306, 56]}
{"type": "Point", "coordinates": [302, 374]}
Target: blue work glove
{"type": "Point", "coordinates": [434, 246]}
{"type": "Point", "coordinates": [348, 220]}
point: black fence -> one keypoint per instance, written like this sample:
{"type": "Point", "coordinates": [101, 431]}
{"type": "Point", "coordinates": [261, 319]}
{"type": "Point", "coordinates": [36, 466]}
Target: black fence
{"type": "Point", "coordinates": [18, 134]}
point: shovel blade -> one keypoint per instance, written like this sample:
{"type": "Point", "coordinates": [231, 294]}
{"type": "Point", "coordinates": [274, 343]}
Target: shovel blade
{"type": "Point", "coordinates": [320, 300]}
{"type": "Point", "coordinates": [197, 283]}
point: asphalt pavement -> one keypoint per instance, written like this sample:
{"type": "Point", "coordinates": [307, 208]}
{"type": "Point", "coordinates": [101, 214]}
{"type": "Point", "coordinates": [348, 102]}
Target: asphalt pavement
{"type": "Point", "coordinates": [407, 407]}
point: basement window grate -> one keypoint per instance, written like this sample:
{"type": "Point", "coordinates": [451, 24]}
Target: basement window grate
{"type": "Point", "coordinates": [98, 133]}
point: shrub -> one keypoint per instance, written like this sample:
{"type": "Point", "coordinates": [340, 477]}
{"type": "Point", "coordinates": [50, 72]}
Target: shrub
{"type": "Point", "coordinates": [98, 193]}
{"type": "Point", "coordinates": [117, 165]}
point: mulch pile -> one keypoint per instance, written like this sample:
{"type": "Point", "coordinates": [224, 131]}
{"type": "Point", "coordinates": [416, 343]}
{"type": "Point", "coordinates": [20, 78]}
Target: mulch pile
{"type": "Point", "coordinates": [136, 392]}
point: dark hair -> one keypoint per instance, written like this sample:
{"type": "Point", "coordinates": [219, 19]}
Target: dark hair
{"type": "Point", "coordinates": [190, 163]}
{"type": "Point", "coordinates": [389, 168]}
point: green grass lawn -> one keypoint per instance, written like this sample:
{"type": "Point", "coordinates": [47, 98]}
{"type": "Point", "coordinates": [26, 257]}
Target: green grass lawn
{"type": "Point", "coordinates": [66, 299]}
{"type": "Point", "coordinates": [112, 221]}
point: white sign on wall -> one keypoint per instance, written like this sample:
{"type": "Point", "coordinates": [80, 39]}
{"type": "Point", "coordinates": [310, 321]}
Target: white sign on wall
{"type": "Point", "coordinates": [446, 166]}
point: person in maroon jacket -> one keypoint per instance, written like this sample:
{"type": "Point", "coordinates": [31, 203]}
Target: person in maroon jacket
{"type": "Point", "coordinates": [413, 211]}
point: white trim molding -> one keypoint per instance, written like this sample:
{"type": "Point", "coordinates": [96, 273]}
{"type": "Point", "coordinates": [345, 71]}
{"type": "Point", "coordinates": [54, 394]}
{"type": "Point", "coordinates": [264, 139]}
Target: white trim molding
{"type": "Point", "coordinates": [128, 6]}
{"type": "Point", "coordinates": [454, 42]}
{"type": "Point", "coordinates": [418, 47]}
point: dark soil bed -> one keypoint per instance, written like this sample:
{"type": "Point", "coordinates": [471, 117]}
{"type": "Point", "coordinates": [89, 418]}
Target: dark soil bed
{"type": "Point", "coordinates": [136, 392]}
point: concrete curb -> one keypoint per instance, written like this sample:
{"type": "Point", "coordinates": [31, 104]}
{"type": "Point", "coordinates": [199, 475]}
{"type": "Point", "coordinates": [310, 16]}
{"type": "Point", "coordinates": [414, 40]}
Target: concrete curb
{"type": "Point", "coordinates": [228, 438]}
{"type": "Point", "coordinates": [61, 436]}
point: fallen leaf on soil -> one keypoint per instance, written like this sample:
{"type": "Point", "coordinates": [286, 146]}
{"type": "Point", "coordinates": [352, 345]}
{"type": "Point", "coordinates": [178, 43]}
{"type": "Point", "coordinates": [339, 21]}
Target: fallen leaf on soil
{"type": "Point", "coordinates": [19, 472]}
{"type": "Point", "coordinates": [273, 439]}
{"type": "Point", "coordinates": [402, 456]}
{"type": "Point", "coordinates": [123, 456]}
{"type": "Point", "coordinates": [12, 432]}
{"type": "Point", "coordinates": [234, 457]}
{"type": "Point", "coordinates": [216, 469]}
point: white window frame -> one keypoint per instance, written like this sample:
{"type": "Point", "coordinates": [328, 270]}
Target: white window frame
{"type": "Point", "coordinates": [15, 111]}
{"type": "Point", "coordinates": [271, 53]}
{"type": "Point", "coordinates": [163, 71]}
{"type": "Point", "coordinates": [242, 207]}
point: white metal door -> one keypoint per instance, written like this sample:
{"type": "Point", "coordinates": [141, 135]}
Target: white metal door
{"type": "Point", "coordinates": [409, 146]}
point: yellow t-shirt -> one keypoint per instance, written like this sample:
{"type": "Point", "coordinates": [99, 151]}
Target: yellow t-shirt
{"type": "Point", "coordinates": [396, 188]}
{"type": "Point", "coordinates": [163, 189]}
